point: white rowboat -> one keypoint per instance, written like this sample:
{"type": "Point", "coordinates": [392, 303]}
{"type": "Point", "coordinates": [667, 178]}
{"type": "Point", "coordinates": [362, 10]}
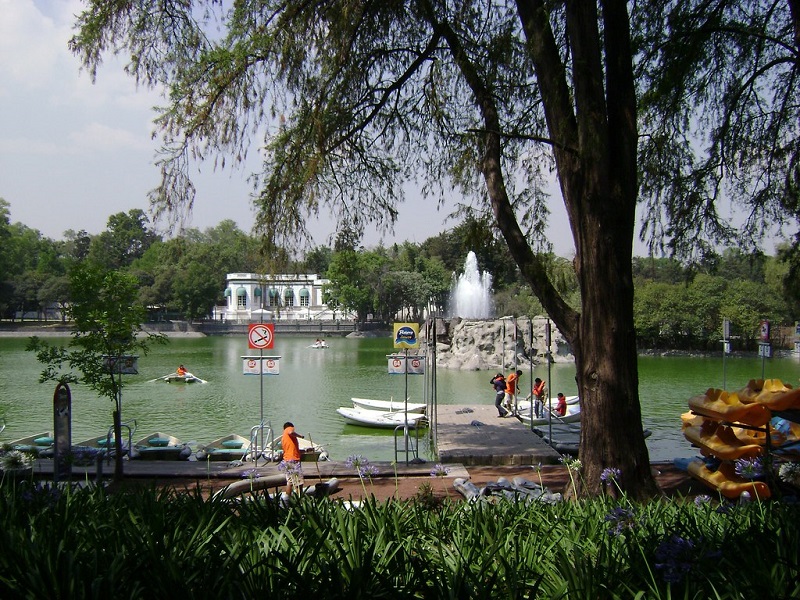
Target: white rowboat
{"type": "Point", "coordinates": [386, 420]}
{"type": "Point", "coordinates": [388, 405]}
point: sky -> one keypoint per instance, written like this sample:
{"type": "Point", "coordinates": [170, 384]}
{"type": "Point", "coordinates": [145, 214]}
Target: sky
{"type": "Point", "coordinates": [73, 152]}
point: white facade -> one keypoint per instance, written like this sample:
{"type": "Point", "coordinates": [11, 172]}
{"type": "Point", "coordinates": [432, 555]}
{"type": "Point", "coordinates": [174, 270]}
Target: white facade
{"type": "Point", "coordinates": [252, 297]}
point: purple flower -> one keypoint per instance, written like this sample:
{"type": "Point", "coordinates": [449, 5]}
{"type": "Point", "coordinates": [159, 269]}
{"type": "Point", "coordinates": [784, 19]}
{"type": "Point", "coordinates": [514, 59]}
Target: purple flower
{"type": "Point", "coordinates": [610, 475]}
{"type": "Point", "coordinates": [290, 467]}
{"type": "Point", "coordinates": [439, 470]}
{"type": "Point", "coordinates": [749, 468]}
{"type": "Point", "coordinates": [674, 558]}
{"type": "Point", "coordinates": [356, 461]}
{"type": "Point", "coordinates": [367, 471]}
{"type": "Point", "coordinates": [252, 473]}
{"type": "Point", "coordinates": [702, 499]}
{"type": "Point", "coordinates": [620, 519]}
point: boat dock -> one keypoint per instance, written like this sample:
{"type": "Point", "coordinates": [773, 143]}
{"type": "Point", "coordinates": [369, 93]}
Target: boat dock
{"type": "Point", "coordinates": [475, 435]}
{"type": "Point", "coordinates": [467, 435]}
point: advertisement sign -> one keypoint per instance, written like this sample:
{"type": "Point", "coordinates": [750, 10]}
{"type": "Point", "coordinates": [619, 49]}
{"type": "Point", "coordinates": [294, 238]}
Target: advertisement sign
{"type": "Point", "coordinates": [406, 335]}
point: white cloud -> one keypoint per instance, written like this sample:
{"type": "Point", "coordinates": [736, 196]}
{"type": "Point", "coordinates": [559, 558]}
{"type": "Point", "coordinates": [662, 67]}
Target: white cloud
{"type": "Point", "coordinates": [97, 137]}
{"type": "Point", "coordinates": [30, 45]}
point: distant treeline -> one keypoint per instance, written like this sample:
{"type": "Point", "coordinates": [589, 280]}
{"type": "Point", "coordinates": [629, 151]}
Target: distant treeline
{"type": "Point", "coordinates": [677, 306]}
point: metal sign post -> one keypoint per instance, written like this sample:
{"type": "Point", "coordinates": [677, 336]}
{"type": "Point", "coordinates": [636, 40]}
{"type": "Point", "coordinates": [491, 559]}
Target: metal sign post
{"type": "Point", "coordinates": [261, 336]}
{"type": "Point", "coordinates": [726, 346]}
{"type": "Point", "coordinates": [405, 337]}
{"type": "Point", "coordinates": [764, 346]}
{"type": "Point", "coordinates": [548, 387]}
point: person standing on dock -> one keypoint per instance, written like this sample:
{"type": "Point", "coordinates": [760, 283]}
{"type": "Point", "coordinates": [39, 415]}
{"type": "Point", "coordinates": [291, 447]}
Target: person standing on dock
{"type": "Point", "coordinates": [511, 389]}
{"type": "Point", "coordinates": [291, 458]}
{"type": "Point", "coordinates": [499, 384]}
{"type": "Point", "coordinates": [538, 397]}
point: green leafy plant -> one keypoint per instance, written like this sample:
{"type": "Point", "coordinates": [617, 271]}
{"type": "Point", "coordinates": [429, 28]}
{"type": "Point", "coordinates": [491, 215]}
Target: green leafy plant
{"type": "Point", "coordinates": [107, 322]}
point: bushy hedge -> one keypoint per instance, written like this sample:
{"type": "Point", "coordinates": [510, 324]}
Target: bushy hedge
{"type": "Point", "coordinates": [148, 543]}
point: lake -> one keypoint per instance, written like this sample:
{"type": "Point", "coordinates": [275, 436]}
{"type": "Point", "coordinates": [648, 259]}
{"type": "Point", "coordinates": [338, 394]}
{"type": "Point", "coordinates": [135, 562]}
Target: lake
{"type": "Point", "coordinates": [312, 383]}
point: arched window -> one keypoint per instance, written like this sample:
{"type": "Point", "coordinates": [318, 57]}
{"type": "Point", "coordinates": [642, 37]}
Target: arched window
{"type": "Point", "coordinates": [241, 297]}
{"type": "Point", "coordinates": [305, 297]}
{"type": "Point", "coordinates": [274, 297]}
{"type": "Point", "coordinates": [288, 297]}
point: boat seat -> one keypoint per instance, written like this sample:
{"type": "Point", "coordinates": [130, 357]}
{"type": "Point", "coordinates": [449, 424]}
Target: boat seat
{"type": "Point", "coordinates": [158, 442]}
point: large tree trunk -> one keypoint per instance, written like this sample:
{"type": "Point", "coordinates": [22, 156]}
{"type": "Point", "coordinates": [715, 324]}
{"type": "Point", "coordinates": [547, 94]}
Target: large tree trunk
{"type": "Point", "coordinates": [594, 135]}
{"type": "Point", "coordinates": [118, 464]}
{"type": "Point", "coordinates": [606, 362]}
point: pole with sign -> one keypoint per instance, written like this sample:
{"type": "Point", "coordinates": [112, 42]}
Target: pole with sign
{"type": "Point", "coordinates": [726, 346]}
{"type": "Point", "coordinates": [797, 339]}
{"type": "Point", "coordinates": [764, 346]}
{"type": "Point", "coordinates": [547, 339]}
{"type": "Point", "coordinates": [261, 336]}
{"type": "Point", "coordinates": [406, 336]}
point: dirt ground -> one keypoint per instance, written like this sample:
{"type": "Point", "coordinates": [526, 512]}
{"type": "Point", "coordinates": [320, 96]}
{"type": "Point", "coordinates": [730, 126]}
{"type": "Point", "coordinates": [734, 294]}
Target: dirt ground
{"type": "Point", "coordinates": [672, 481]}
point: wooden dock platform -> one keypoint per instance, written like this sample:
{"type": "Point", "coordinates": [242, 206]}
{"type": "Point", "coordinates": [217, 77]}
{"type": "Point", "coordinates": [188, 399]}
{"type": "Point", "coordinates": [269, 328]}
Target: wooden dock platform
{"type": "Point", "coordinates": [475, 435]}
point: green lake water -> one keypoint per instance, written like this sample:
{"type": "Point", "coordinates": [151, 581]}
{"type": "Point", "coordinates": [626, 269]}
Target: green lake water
{"type": "Point", "coordinates": [313, 383]}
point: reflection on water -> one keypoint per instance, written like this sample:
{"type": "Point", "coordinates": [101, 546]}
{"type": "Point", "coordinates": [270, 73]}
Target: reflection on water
{"type": "Point", "coordinates": [313, 383]}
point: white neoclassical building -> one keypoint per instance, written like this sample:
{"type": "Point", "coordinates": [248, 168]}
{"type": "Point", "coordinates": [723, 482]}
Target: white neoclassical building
{"type": "Point", "coordinates": [253, 297]}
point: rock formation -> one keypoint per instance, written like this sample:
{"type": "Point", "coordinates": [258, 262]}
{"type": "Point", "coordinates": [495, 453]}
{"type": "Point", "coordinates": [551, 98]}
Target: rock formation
{"type": "Point", "coordinates": [486, 345]}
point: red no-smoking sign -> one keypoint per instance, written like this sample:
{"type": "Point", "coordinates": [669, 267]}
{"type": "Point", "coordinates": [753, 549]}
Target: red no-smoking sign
{"type": "Point", "coordinates": [261, 336]}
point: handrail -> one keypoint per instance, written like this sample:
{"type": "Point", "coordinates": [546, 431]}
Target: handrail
{"type": "Point", "coordinates": [257, 450]}
{"type": "Point", "coordinates": [110, 436]}
{"type": "Point", "coordinates": [412, 447]}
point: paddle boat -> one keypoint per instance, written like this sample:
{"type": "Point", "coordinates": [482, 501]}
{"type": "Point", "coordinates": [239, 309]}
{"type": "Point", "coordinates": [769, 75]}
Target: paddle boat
{"type": "Point", "coordinates": [309, 451]}
{"type": "Point", "coordinates": [37, 444]}
{"type": "Point", "coordinates": [181, 378]}
{"type": "Point", "coordinates": [552, 403]}
{"type": "Point", "coordinates": [105, 443]}
{"type": "Point", "coordinates": [385, 420]}
{"type": "Point", "coordinates": [319, 345]}
{"type": "Point", "coordinates": [573, 415]}
{"type": "Point", "coordinates": [161, 446]}
{"type": "Point", "coordinates": [390, 405]}
{"type": "Point", "coordinates": [228, 448]}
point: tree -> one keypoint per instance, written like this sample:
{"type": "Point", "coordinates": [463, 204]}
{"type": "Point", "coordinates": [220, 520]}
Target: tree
{"type": "Point", "coordinates": [106, 327]}
{"type": "Point", "coordinates": [355, 281]}
{"type": "Point", "coordinates": [317, 260]}
{"type": "Point", "coordinates": [126, 238]}
{"type": "Point", "coordinates": [55, 290]}
{"type": "Point", "coordinates": [483, 95]}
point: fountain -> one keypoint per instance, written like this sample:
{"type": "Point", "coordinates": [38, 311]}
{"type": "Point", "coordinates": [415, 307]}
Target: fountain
{"type": "Point", "coordinates": [471, 294]}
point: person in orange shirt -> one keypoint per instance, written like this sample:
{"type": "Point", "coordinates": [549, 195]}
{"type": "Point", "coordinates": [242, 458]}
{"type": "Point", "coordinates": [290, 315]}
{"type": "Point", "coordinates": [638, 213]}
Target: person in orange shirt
{"type": "Point", "coordinates": [561, 407]}
{"type": "Point", "coordinates": [511, 389]}
{"type": "Point", "coordinates": [291, 458]}
{"type": "Point", "coordinates": [181, 371]}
